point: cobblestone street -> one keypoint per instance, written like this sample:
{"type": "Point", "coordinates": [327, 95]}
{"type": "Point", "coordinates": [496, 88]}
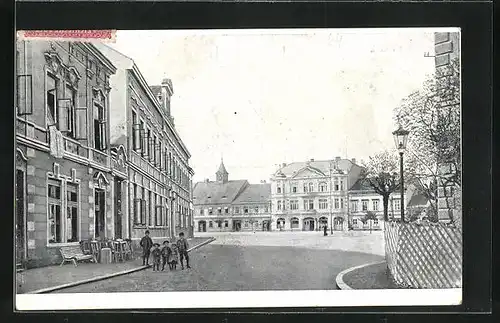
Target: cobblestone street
{"type": "Point", "coordinates": [236, 262]}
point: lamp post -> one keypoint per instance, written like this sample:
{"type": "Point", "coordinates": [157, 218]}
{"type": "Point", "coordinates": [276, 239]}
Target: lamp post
{"type": "Point", "coordinates": [400, 139]}
{"type": "Point", "coordinates": [331, 206]}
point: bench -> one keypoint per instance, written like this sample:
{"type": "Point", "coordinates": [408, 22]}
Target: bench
{"type": "Point", "coordinates": [74, 254]}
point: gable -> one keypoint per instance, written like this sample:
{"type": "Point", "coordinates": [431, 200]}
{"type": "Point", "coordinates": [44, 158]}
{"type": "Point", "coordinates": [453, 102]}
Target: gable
{"type": "Point", "coordinates": [308, 172]}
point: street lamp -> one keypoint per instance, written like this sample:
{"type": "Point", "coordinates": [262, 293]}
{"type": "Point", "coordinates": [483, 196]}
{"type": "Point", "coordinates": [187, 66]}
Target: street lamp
{"type": "Point", "coordinates": [400, 139]}
{"type": "Point", "coordinates": [331, 206]}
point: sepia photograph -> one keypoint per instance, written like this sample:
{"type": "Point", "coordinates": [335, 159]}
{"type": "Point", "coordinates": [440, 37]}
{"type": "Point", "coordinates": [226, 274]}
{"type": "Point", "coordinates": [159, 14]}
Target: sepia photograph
{"type": "Point", "coordinates": [250, 167]}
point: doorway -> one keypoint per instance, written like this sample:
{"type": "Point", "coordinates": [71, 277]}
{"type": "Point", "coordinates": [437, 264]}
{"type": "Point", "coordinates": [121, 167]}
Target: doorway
{"type": "Point", "coordinates": [265, 225]}
{"type": "Point", "coordinates": [308, 224]}
{"type": "Point", "coordinates": [20, 218]}
{"type": "Point", "coordinates": [338, 224]}
{"type": "Point", "coordinates": [100, 216]}
{"type": "Point", "coordinates": [202, 226]}
{"type": "Point", "coordinates": [237, 225]}
{"type": "Point", "coordinates": [118, 208]}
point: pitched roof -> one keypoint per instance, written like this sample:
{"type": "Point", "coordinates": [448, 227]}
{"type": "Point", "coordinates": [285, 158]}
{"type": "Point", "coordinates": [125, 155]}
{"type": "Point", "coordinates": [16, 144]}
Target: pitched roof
{"type": "Point", "coordinates": [361, 184]}
{"type": "Point", "coordinates": [418, 199]}
{"type": "Point", "coordinates": [255, 193]}
{"type": "Point", "coordinates": [156, 89]}
{"type": "Point", "coordinates": [321, 165]}
{"type": "Point", "coordinates": [217, 192]}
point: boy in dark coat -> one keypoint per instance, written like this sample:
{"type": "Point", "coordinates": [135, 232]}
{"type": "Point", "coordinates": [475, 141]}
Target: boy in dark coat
{"type": "Point", "coordinates": [173, 259]}
{"type": "Point", "coordinates": [166, 251]}
{"type": "Point", "coordinates": [146, 244]}
{"type": "Point", "coordinates": [183, 247]}
{"type": "Point", "coordinates": [156, 253]}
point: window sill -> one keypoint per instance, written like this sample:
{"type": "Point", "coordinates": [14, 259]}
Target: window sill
{"type": "Point", "coordinates": [62, 244]}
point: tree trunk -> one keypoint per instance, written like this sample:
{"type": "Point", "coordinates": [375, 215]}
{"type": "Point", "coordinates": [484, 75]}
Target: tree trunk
{"type": "Point", "coordinates": [385, 200]}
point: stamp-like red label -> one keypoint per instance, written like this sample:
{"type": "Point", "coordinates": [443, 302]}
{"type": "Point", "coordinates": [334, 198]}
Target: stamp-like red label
{"type": "Point", "coordinates": [80, 35]}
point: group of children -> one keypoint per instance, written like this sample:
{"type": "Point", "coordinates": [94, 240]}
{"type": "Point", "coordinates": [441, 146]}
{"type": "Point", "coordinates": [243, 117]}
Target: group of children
{"type": "Point", "coordinates": [168, 253]}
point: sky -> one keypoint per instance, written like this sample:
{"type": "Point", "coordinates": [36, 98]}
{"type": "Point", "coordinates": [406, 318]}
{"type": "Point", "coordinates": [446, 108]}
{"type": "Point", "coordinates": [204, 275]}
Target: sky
{"type": "Point", "coordinates": [260, 98]}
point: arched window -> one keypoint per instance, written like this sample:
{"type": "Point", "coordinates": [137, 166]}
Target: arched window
{"type": "Point", "coordinates": [322, 187]}
{"type": "Point", "coordinates": [280, 223]}
{"type": "Point", "coordinates": [311, 187]}
{"type": "Point", "coordinates": [278, 190]}
{"type": "Point", "coordinates": [294, 222]}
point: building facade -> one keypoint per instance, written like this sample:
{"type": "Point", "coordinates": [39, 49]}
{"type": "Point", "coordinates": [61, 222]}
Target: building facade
{"type": "Point", "coordinates": [236, 205]}
{"type": "Point", "coordinates": [158, 184]}
{"type": "Point", "coordinates": [65, 183]}
{"type": "Point", "coordinates": [307, 196]}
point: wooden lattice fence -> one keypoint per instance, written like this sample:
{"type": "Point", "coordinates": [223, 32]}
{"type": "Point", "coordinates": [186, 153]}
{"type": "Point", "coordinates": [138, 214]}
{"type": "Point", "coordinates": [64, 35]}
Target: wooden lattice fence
{"type": "Point", "coordinates": [424, 256]}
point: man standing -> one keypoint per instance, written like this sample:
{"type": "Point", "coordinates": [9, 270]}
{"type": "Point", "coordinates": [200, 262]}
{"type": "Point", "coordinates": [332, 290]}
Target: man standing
{"type": "Point", "coordinates": [183, 247]}
{"type": "Point", "coordinates": [146, 244]}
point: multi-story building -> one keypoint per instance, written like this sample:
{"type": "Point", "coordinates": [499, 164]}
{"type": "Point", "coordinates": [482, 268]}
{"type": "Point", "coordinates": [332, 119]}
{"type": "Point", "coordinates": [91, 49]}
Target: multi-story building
{"type": "Point", "coordinates": [142, 129]}
{"type": "Point", "coordinates": [307, 196]}
{"type": "Point", "coordinates": [65, 183]}
{"type": "Point", "coordinates": [236, 205]}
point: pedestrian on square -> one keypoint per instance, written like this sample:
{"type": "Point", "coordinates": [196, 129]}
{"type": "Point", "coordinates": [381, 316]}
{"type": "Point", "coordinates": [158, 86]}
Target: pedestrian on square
{"type": "Point", "coordinates": [183, 247]}
{"type": "Point", "coordinates": [324, 231]}
{"type": "Point", "coordinates": [173, 259]}
{"type": "Point", "coordinates": [146, 244]}
{"type": "Point", "coordinates": [166, 251]}
{"type": "Point", "coordinates": [156, 253]}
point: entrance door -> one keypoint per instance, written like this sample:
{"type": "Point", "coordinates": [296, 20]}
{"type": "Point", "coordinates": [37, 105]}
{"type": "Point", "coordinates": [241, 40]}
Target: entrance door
{"type": "Point", "coordinates": [338, 224]}
{"type": "Point", "coordinates": [100, 225]}
{"type": "Point", "coordinates": [237, 225]}
{"type": "Point", "coordinates": [202, 226]}
{"type": "Point", "coordinates": [20, 220]}
{"type": "Point", "coordinates": [309, 224]}
{"type": "Point", "coordinates": [118, 208]}
{"type": "Point", "coordinates": [265, 225]}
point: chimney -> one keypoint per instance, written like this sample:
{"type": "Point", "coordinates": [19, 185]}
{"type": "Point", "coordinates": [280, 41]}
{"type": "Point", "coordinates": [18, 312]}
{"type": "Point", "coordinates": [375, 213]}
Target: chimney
{"type": "Point", "coordinates": [283, 165]}
{"type": "Point", "coordinates": [353, 160]}
{"type": "Point", "coordinates": [312, 159]}
{"type": "Point", "coordinates": [337, 158]}
{"type": "Point", "coordinates": [166, 93]}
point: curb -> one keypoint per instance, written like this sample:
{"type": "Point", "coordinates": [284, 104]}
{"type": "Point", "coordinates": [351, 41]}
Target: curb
{"type": "Point", "coordinates": [339, 280]}
{"type": "Point", "coordinates": [99, 278]}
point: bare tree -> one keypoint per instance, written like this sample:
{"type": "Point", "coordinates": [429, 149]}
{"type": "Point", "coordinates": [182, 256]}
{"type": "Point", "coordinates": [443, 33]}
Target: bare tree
{"type": "Point", "coordinates": [381, 172]}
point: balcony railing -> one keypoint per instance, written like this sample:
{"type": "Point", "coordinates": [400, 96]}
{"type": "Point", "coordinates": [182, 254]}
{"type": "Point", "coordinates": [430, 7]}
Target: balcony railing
{"type": "Point", "coordinates": [145, 165]}
{"type": "Point", "coordinates": [99, 157]}
{"type": "Point", "coordinates": [74, 147]}
{"type": "Point", "coordinates": [30, 130]}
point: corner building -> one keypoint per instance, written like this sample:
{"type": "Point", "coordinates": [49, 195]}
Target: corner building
{"type": "Point", "coordinates": [307, 196]}
{"type": "Point", "coordinates": [65, 187]}
{"type": "Point", "coordinates": [159, 181]}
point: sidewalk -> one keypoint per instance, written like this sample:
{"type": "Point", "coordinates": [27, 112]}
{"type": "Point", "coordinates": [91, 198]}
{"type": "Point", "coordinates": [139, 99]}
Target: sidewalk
{"type": "Point", "coordinates": [374, 276]}
{"type": "Point", "coordinates": [47, 277]}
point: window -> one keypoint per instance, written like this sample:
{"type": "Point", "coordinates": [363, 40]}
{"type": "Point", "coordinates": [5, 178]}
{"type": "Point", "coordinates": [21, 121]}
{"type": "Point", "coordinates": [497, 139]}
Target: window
{"type": "Point", "coordinates": [341, 202]}
{"type": "Point", "coordinates": [143, 139]}
{"type": "Point", "coordinates": [322, 187]}
{"type": "Point", "coordinates": [397, 204]}
{"type": "Point", "coordinates": [236, 209]}
{"type": "Point", "coordinates": [201, 211]}
{"type": "Point", "coordinates": [336, 184]}
{"type": "Point", "coordinates": [210, 211]}
{"type": "Point", "coordinates": [294, 205]}
{"type": "Point", "coordinates": [210, 224]}
{"type": "Point", "coordinates": [342, 185]}
{"type": "Point", "coordinates": [364, 205]}
{"type": "Point", "coordinates": [159, 211]}
{"type": "Point", "coordinates": [226, 224]}
{"type": "Point", "coordinates": [323, 204]}
{"type": "Point", "coordinates": [266, 209]}
{"type": "Point", "coordinates": [294, 223]}
{"type": "Point", "coordinates": [72, 213]}
{"type": "Point", "coordinates": [51, 99]}
{"type": "Point", "coordinates": [24, 98]}
{"type": "Point", "coordinates": [70, 99]}
{"type": "Point", "coordinates": [354, 206]}
{"type": "Point", "coordinates": [355, 221]}
{"type": "Point", "coordinates": [256, 209]}
{"type": "Point", "coordinates": [278, 190]}
{"type": "Point", "coordinates": [54, 215]}
{"type": "Point", "coordinates": [308, 204]}
{"type": "Point", "coordinates": [279, 206]}
{"type": "Point", "coordinates": [245, 209]}
{"type": "Point", "coordinates": [150, 143]}
{"type": "Point", "coordinates": [219, 224]}
{"type": "Point", "coordinates": [246, 224]}
{"type": "Point", "coordinates": [311, 187]}
{"type": "Point", "coordinates": [375, 221]}
{"type": "Point", "coordinates": [294, 188]}
{"type": "Point", "coordinates": [136, 135]}
{"type": "Point", "coordinates": [337, 203]}
{"type": "Point", "coordinates": [375, 205]}
{"type": "Point", "coordinates": [99, 127]}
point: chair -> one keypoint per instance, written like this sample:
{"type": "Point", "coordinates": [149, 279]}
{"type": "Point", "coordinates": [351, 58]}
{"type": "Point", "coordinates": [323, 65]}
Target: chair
{"type": "Point", "coordinates": [95, 249]}
{"type": "Point", "coordinates": [85, 246]}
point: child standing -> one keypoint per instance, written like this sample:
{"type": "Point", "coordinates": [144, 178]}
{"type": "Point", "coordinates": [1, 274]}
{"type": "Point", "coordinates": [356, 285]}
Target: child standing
{"type": "Point", "coordinates": [156, 253]}
{"type": "Point", "coordinates": [174, 257]}
{"type": "Point", "coordinates": [146, 244]}
{"type": "Point", "coordinates": [165, 254]}
{"type": "Point", "coordinates": [183, 247]}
